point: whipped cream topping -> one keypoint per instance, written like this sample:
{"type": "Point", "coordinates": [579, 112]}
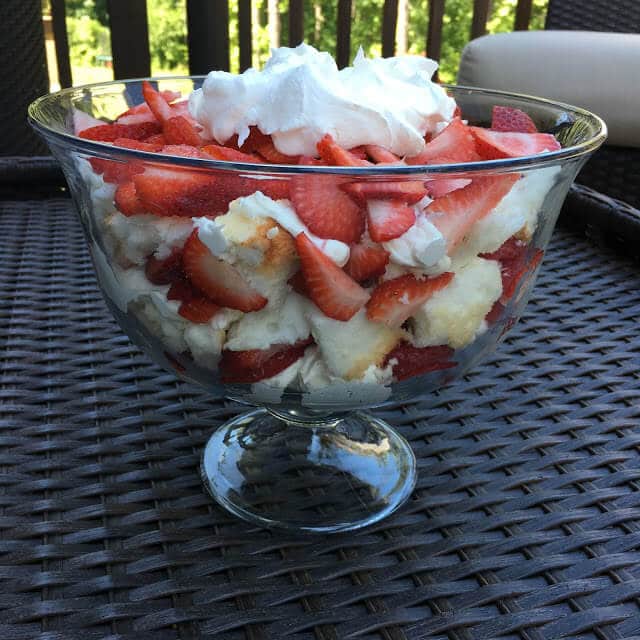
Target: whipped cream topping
{"type": "Point", "coordinates": [300, 95]}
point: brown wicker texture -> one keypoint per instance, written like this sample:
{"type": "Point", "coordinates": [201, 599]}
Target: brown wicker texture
{"type": "Point", "coordinates": [525, 522]}
{"type": "Point", "coordinates": [612, 170]}
{"type": "Point", "coordinates": [24, 69]}
{"type": "Point", "coordinates": [616, 172]}
{"type": "Point", "coordinates": [594, 15]}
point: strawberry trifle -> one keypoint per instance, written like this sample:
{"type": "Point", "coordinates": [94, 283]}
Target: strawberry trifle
{"type": "Point", "coordinates": [321, 263]}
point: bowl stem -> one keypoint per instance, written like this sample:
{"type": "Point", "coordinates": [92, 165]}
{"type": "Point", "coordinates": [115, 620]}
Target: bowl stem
{"type": "Point", "coordinates": [336, 473]}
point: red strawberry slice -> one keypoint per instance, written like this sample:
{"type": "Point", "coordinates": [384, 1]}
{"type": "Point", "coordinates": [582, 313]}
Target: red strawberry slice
{"type": "Point", "coordinates": [183, 150]}
{"type": "Point", "coordinates": [388, 219]}
{"type": "Point", "coordinates": [137, 118]}
{"type": "Point", "coordinates": [455, 213]}
{"type": "Point", "coordinates": [366, 261]}
{"type": "Point", "coordinates": [110, 132]}
{"type": "Point", "coordinates": [178, 130]}
{"type": "Point", "coordinates": [117, 172]}
{"type": "Point", "coordinates": [512, 256]}
{"type": "Point", "coordinates": [181, 290]}
{"type": "Point", "coordinates": [198, 309]}
{"type": "Point", "coordinates": [441, 186]}
{"type": "Point", "coordinates": [298, 284]}
{"type": "Point", "coordinates": [504, 144]}
{"type": "Point", "coordinates": [156, 101]}
{"type": "Point", "coordinates": [333, 154]}
{"type": "Point", "coordinates": [394, 301]}
{"type": "Point", "coordinates": [157, 138]}
{"type": "Point", "coordinates": [511, 119]}
{"type": "Point", "coordinates": [408, 191]}
{"type": "Point", "coordinates": [127, 201]}
{"type": "Point", "coordinates": [217, 279]}
{"type": "Point", "coordinates": [333, 291]}
{"type": "Point", "coordinates": [177, 192]}
{"type": "Point", "coordinates": [454, 143]}
{"type": "Point", "coordinates": [495, 313]}
{"type": "Point", "coordinates": [269, 152]}
{"type": "Point", "coordinates": [231, 155]}
{"type": "Point", "coordinates": [358, 152]}
{"type": "Point", "coordinates": [413, 361]}
{"type": "Point", "coordinates": [164, 270]}
{"type": "Point", "coordinates": [130, 143]}
{"type": "Point", "coordinates": [381, 155]}
{"type": "Point", "coordinates": [327, 210]}
{"type": "Point", "coordinates": [257, 364]}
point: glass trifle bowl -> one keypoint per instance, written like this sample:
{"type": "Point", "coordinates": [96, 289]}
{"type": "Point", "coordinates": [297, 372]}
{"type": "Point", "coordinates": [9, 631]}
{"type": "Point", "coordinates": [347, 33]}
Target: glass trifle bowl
{"type": "Point", "coordinates": [313, 288]}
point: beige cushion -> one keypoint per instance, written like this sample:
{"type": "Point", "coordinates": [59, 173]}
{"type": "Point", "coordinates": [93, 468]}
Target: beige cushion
{"type": "Point", "coordinates": [597, 71]}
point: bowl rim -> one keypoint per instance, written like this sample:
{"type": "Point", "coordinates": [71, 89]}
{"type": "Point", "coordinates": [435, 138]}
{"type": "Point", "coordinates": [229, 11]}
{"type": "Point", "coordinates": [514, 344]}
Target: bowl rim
{"type": "Point", "coordinates": [106, 150]}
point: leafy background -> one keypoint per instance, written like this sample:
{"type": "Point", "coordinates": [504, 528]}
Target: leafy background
{"type": "Point", "coordinates": [87, 24]}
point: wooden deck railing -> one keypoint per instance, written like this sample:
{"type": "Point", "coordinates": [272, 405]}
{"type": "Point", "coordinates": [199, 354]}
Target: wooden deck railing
{"type": "Point", "coordinates": [208, 33]}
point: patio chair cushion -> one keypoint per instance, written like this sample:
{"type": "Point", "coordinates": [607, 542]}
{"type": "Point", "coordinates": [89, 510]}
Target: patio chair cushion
{"type": "Point", "coordinates": [595, 70]}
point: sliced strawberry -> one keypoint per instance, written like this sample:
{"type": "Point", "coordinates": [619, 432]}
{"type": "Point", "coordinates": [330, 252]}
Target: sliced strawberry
{"type": "Point", "coordinates": [184, 150]}
{"type": "Point", "coordinates": [257, 364]}
{"type": "Point", "coordinates": [130, 143]}
{"type": "Point", "coordinates": [511, 119]}
{"type": "Point", "coordinates": [156, 138]}
{"type": "Point", "coordinates": [441, 186]}
{"type": "Point", "coordinates": [143, 107]}
{"type": "Point", "coordinates": [178, 130]}
{"type": "Point", "coordinates": [269, 152]}
{"type": "Point", "coordinates": [110, 132]}
{"type": "Point", "coordinates": [504, 144]}
{"type": "Point", "coordinates": [333, 291]}
{"type": "Point", "coordinates": [113, 171]}
{"type": "Point", "coordinates": [454, 143]}
{"type": "Point", "coordinates": [166, 270]}
{"type": "Point", "coordinates": [455, 213]}
{"type": "Point", "coordinates": [359, 152]}
{"type": "Point", "coordinates": [394, 301]}
{"type": "Point", "coordinates": [381, 155]}
{"type": "Point", "coordinates": [198, 309]}
{"type": "Point", "coordinates": [495, 313]}
{"type": "Point", "coordinates": [298, 284]}
{"type": "Point", "coordinates": [217, 279]}
{"type": "Point", "coordinates": [82, 121]}
{"type": "Point", "coordinates": [332, 153]}
{"type": "Point", "coordinates": [231, 155]}
{"type": "Point", "coordinates": [408, 191]}
{"type": "Point", "coordinates": [388, 219]}
{"type": "Point", "coordinates": [156, 101]}
{"type": "Point", "coordinates": [366, 261]}
{"type": "Point", "coordinates": [177, 192]}
{"type": "Point", "coordinates": [137, 118]}
{"type": "Point", "coordinates": [327, 210]}
{"type": "Point", "coordinates": [181, 290]}
{"type": "Point", "coordinates": [413, 361]}
{"type": "Point", "coordinates": [512, 256]}
{"type": "Point", "coordinates": [127, 201]}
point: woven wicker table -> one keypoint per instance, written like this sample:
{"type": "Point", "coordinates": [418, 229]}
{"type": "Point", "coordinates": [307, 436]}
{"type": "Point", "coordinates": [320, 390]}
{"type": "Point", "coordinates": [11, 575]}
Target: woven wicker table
{"type": "Point", "coordinates": [525, 522]}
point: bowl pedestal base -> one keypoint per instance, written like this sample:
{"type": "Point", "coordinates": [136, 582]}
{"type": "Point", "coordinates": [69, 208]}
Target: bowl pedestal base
{"type": "Point", "coordinates": [327, 475]}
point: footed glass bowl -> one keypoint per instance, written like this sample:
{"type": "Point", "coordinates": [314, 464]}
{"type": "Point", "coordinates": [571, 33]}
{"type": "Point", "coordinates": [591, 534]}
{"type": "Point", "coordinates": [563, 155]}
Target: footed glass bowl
{"type": "Point", "coordinates": [207, 265]}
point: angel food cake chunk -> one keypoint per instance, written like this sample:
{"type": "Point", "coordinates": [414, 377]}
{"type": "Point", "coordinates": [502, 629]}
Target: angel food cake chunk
{"type": "Point", "coordinates": [317, 279]}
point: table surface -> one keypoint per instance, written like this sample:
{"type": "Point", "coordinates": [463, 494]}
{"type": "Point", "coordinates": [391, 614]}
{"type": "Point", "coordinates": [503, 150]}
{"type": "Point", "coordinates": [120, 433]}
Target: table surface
{"type": "Point", "coordinates": [525, 522]}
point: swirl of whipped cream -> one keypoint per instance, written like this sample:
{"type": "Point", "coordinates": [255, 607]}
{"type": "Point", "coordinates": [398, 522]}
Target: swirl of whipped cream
{"type": "Point", "coordinates": [300, 95]}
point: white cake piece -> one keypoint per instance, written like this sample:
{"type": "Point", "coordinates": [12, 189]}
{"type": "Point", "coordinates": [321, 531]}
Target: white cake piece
{"type": "Point", "coordinates": [455, 315]}
{"type": "Point", "coordinates": [350, 348]}
{"type": "Point", "coordinates": [134, 238]}
{"type": "Point", "coordinates": [517, 212]}
{"type": "Point", "coordinates": [246, 239]}
{"type": "Point", "coordinates": [205, 344]}
{"type": "Point", "coordinates": [285, 324]}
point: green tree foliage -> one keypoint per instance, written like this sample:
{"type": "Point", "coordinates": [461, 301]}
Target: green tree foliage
{"type": "Point", "coordinates": [88, 29]}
